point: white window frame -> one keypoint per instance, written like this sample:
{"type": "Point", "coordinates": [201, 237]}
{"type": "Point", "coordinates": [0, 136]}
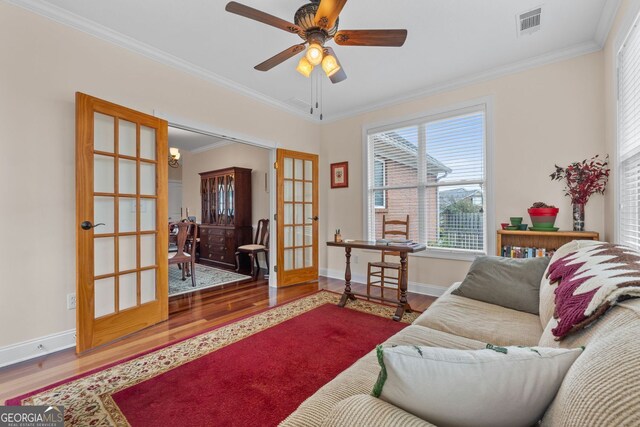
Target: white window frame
{"type": "Point", "coordinates": [481, 104]}
{"type": "Point", "coordinates": [631, 21]}
{"type": "Point", "coordinates": [384, 183]}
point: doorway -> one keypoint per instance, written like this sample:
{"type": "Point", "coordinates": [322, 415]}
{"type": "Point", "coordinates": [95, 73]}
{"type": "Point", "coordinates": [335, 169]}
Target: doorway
{"type": "Point", "coordinates": [223, 183]}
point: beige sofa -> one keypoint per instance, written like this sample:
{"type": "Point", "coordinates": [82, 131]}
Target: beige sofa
{"type": "Point", "coordinates": [602, 388]}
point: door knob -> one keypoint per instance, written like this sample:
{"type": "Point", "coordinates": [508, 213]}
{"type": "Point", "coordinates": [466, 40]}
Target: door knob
{"type": "Point", "coordinates": [315, 218]}
{"type": "Point", "coordinates": [86, 225]}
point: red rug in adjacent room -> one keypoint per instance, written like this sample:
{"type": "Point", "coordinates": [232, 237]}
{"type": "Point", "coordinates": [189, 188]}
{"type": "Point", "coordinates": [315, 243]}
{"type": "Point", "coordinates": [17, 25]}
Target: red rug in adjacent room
{"type": "Point", "coordinates": [255, 371]}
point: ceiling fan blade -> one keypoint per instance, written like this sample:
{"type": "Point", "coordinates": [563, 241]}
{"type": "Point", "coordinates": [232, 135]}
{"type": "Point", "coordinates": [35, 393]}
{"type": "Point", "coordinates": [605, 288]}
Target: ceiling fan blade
{"type": "Point", "coordinates": [280, 58]}
{"type": "Point", "coordinates": [328, 11]}
{"type": "Point", "coordinates": [340, 75]}
{"type": "Point", "coordinates": [260, 16]}
{"type": "Point", "coordinates": [371, 37]}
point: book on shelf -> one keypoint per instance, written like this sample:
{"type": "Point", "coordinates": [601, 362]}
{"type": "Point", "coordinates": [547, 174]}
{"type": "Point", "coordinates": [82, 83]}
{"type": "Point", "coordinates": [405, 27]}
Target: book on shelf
{"type": "Point", "coordinates": [526, 252]}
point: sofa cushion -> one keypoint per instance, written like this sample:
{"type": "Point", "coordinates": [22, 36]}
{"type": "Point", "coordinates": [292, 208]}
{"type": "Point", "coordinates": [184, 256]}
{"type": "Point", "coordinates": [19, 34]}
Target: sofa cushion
{"type": "Point", "coordinates": [480, 380]}
{"type": "Point", "coordinates": [589, 281]}
{"type": "Point", "coordinates": [601, 388]}
{"type": "Point", "coordinates": [481, 321]}
{"type": "Point", "coordinates": [360, 377]}
{"type": "Point", "coordinates": [363, 410]}
{"type": "Point", "coordinates": [509, 282]}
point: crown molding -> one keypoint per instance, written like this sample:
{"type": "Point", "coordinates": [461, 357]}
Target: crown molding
{"type": "Point", "coordinates": [67, 18]}
{"type": "Point", "coordinates": [92, 28]}
{"type": "Point", "coordinates": [516, 67]}
{"type": "Point", "coordinates": [212, 146]}
{"type": "Point", "coordinates": [607, 17]}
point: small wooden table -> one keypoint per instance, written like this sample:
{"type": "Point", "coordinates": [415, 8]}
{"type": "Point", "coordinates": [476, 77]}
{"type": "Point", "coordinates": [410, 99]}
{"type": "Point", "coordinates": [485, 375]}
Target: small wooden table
{"type": "Point", "coordinates": [402, 303]}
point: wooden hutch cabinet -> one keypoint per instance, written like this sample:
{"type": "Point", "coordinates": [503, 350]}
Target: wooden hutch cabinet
{"type": "Point", "coordinates": [226, 215]}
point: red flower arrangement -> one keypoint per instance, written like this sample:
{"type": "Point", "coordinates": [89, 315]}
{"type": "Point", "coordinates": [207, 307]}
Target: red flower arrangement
{"type": "Point", "coordinates": [583, 178]}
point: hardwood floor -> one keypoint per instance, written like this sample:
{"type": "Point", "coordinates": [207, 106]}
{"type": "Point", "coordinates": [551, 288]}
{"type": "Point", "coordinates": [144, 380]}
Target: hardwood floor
{"type": "Point", "coordinates": [189, 314]}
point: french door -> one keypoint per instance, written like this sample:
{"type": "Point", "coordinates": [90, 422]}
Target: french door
{"type": "Point", "coordinates": [121, 215]}
{"type": "Point", "coordinates": [297, 220]}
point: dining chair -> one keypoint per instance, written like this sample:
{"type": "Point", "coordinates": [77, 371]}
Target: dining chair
{"type": "Point", "coordinates": [186, 254]}
{"type": "Point", "coordinates": [378, 270]}
{"type": "Point", "coordinates": [260, 244]}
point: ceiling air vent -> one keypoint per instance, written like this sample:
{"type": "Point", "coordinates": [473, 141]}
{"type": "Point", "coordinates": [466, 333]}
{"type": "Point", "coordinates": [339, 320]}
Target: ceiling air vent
{"type": "Point", "coordinates": [529, 22]}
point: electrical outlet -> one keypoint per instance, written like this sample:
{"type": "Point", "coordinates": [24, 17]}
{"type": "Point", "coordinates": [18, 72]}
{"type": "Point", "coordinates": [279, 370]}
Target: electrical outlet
{"type": "Point", "coordinates": [71, 301]}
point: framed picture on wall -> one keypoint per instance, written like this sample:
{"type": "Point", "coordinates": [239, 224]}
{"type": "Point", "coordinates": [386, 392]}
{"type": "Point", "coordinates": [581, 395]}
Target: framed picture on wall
{"type": "Point", "coordinates": [340, 175]}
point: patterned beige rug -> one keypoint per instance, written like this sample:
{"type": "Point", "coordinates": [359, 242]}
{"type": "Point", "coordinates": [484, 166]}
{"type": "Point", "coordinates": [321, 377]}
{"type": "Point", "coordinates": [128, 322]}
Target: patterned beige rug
{"type": "Point", "coordinates": [87, 398]}
{"type": "Point", "coordinates": [206, 277]}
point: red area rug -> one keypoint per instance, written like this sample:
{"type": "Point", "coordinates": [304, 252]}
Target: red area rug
{"type": "Point", "coordinates": [255, 371]}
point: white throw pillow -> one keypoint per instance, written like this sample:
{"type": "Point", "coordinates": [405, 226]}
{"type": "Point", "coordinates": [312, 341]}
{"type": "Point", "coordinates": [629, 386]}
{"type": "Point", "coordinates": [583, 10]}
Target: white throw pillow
{"type": "Point", "coordinates": [498, 386]}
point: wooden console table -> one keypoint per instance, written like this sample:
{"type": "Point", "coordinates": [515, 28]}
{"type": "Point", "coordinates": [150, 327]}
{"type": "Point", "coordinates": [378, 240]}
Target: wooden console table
{"type": "Point", "coordinates": [402, 303]}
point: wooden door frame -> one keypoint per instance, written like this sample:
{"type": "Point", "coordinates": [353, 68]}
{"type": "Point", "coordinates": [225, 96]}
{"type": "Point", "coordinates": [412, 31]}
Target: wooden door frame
{"type": "Point", "coordinates": [86, 324]}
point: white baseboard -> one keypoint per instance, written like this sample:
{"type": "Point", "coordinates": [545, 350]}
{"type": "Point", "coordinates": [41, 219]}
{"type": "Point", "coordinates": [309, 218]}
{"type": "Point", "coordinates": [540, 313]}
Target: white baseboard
{"type": "Point", "coordinates": [37, 347]}
{"type": "Point", "coordinates": [415, 287]}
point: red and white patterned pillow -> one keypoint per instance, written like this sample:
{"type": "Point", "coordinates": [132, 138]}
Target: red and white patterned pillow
{"type": "Point", "coordinates": [590, 280]}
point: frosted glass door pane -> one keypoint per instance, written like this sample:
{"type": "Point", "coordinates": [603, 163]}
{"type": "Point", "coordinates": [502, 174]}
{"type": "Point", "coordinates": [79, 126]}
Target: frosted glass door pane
{"type": "Point", "coordinates": [147, 143]}
{"type": "Point", "coordinates": [126, 138]}
{"type": "Point", "coordinates": [308, 235]}
{"type": "Point", "coordinates": [288, 168]}
{"type": "Point", "coordinates": [308, 170]}
{"type": "Point", "coordinates": [299, 236]}
{"type": "Point", "coordinates": [288, 259]}
{"type": "Point", "coordinates": [127, 253]}
{"type": "Point", "coordinates": [104, 297]}
{"type": "Point", "coordinates": [308, 192]}
{"type": "Point", "coordinates": [128, 295]}
{"type": "Point", "coordinates": [103, 135]}
{"type": "Point", "coordinates": [299, 173]}
{"type": "Point", "coordinates": [127, 214]}
{"type": "Point", "coordinates": [103, 172]}
{"type": "Point", "coordinates": [147, 250]}
{"type": "Point", "coordinates": [308, 257]}
{"type": "Point", "coordinates": [299, 214]}
{"type": "Point", "coordinates": [299, 258]}
{"type": "Point", "coordinates": [288, 191]}
{"type": "Point", "coordinates": [104, 256]}
{"type": "Point", "coordinates": [103, 212]}
{"type": "Point", "coordinates": [147, 214]}
{"type": "Point", "coordinates": [288, 213]}
{"type": "Point", "coordinates": [147, 286]}
{"type": "Point", "coordinates": [298, 192]}
{"type": "Point", "coordinates": [288, 237]}
{"type": "Point", "coordinates": [148, 179]}
{"type": "Point", "coordinates": [308, 213]}
{"type": "Point", "coordinates": [127, 176]}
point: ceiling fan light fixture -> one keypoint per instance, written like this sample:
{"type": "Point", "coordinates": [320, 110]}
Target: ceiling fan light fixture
{"type": "Point", "coordinates": [304, 67]}
{"type": "Point", "coordinates": [314, 54]}
{"type": "Point", "coordinates": [330, 65]}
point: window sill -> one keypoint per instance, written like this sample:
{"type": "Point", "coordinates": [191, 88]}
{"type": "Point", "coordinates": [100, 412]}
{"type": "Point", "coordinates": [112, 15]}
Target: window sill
{"type": "Point", "coordinates": [450, 255]}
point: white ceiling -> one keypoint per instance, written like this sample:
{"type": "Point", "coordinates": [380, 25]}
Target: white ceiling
{"type": "Point", "coordinates": [449, 42]}
{"type": "Point", "coordinates": [190, 141]}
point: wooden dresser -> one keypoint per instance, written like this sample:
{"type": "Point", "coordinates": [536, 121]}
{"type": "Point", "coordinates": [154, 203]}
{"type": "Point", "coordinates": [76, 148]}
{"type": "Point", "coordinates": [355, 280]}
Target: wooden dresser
{"type": "Point", "coordinates": [226, 215]}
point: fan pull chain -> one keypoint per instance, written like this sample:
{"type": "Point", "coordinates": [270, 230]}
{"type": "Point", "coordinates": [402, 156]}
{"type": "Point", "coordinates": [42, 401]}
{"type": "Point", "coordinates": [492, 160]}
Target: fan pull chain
{"type": "Point", "coordinates": [311, 100]}
{"type": "Point", "coordinates": [321, 100]}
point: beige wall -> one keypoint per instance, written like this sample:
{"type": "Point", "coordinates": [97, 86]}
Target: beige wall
{"type": "Point", "coordinates": [546, 115]}
{"type": "Point", "coordinates": [627, 10]}
{"type": "Point", "coordinates": [43, 64]}
{"type": "Point", "coordinates": [236, 154]}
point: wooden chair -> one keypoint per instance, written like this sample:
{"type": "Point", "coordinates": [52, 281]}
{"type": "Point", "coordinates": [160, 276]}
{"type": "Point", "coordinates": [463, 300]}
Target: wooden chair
{"type": "Point", "coordinates": [260, 244]}
{"type": "Point", "coordinates": [186, 255]}
{"type": "Point", "coordinates": [390, 229]}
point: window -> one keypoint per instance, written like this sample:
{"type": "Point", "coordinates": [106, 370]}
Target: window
{"type": "Point", "coordinates": [629, 141]}
{"type": "Point", "coordinates": [432, 169]}
{"type": "Point", "coordinates": [379, 181]}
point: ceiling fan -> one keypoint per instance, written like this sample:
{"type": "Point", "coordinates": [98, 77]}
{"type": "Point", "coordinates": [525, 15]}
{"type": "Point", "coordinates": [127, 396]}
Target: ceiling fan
{"type": "Point", "coordinates": [317, 23]}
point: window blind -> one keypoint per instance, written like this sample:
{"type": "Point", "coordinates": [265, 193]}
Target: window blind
{"type": "Point", "coordinates": [629, 140]}
{"type": "Point", "coordinates": [433, 170]}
